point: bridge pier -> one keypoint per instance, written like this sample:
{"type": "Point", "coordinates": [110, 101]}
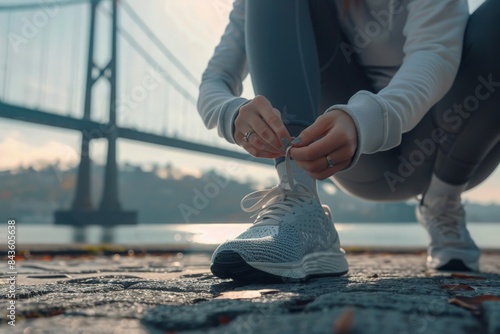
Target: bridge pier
{"type": "Point", "coordinates": [83, 200]}
{"type": "Point", "coordinates": [110, 194]}
{"type": "Point", "coordinates": [109, 213]}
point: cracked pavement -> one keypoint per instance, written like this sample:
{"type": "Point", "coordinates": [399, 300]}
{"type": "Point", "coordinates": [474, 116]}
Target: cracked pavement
{"type": "Point", "coordinates": [384, 292]}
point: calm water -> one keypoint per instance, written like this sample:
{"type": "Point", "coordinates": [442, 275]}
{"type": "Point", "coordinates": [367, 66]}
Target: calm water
{"type": "Point", "coordinates": [487, 235]}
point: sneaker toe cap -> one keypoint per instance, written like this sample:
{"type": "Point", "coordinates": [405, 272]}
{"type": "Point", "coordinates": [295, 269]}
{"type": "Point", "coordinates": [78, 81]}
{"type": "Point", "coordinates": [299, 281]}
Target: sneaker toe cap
{"type": "Point", "coordinates": [260, 250]}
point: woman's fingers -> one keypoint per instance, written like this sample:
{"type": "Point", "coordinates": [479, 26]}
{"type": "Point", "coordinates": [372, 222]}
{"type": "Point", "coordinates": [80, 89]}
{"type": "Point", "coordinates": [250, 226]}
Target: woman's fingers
{"type": "Point", "coordinates": [266, 120]}
{"type": "Point", "coordinates": [313, 132]}
{"type": "Point", "coordinates": [318, 149]}
{"type": "Point", "coordinates": [326, 173]}
{"type": "Point", "coordinates": [337, 142]}
{"type": "Point", "coordinates": [260, 153]}
{"type": "Point", "coordinates": [320, 164]}
{"type": "Point", "coordinates": [265, 126]}
{"type": "Point", "coordinates": [263, 131]}
{"type": "Point", "coordinates": [256, 142]}
{"type": "Point", "coordinates": [334, 130]}
{"type": "Point", "coordinates": [272, 117]}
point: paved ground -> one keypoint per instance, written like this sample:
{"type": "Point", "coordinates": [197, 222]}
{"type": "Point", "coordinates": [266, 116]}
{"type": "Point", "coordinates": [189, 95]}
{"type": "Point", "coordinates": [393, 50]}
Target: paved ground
{"type": "Point", "coordinates": [384, 292]}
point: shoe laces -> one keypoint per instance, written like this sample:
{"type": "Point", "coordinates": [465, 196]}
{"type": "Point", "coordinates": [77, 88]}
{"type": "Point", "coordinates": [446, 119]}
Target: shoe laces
{"type": "Point", "coordinates": [447, 213]}
{"type": "Point", "coordinates": [274, 203]}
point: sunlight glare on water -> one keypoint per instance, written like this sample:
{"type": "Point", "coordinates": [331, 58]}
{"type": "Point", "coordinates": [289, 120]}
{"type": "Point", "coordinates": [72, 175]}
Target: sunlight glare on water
{"type": "Point", "coordinates": [215, 233]}
{"type": "Point", "coordinates": [186, 235]}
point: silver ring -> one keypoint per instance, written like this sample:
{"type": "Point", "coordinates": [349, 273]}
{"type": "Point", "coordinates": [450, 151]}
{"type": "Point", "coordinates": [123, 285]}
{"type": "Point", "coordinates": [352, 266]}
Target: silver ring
{"type": "Point", "coordinates": [247, 136]}
{"type": "Point", "coordinates": [329, 161]}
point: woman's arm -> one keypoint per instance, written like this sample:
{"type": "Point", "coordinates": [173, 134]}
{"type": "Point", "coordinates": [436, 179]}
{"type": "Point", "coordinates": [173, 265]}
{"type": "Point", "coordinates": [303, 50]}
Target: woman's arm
{"type": "Point", "coordinates": [219, 103]}
{"type": "Point", "coordinates": [434, 37]}
{"type": "Point", "coordinates": [221, 84]}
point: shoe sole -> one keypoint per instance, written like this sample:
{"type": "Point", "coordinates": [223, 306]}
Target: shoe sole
{"type": "Point", "coordinates": [455, 265]}
{"type": "Point", "coordinates": [230, 264]}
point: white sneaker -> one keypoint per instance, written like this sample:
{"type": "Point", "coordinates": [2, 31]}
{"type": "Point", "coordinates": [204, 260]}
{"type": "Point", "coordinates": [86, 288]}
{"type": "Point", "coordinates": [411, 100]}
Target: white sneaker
{"type": "Point", "coordinates": [451, 246]}
{"type": "Point", "coordinates": [292, 238]}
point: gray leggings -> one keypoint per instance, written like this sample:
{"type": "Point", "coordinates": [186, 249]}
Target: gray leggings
{"type": "Point", "coordinates": [293, 57]}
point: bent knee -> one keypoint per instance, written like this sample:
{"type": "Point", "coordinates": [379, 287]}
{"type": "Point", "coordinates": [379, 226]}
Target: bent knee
{"type": "Point", "coordinates": [390, 189]}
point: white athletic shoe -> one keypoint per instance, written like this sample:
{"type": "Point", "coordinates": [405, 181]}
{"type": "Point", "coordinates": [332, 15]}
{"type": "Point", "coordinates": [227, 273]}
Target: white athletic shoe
{"type": "Point", "coordinates": [451, 247]}
{"type": "Point", "coordinates": [293, 238]}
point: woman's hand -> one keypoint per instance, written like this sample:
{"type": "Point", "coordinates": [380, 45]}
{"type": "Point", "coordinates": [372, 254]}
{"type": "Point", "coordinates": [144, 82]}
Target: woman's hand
{"type": "Point", "coordinates": [332, 135]}
{"type": "Point", "coordinates": [261, 123]}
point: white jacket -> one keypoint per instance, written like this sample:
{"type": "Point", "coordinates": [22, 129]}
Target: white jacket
{"type": "Point", "coordinates": [410, 49]}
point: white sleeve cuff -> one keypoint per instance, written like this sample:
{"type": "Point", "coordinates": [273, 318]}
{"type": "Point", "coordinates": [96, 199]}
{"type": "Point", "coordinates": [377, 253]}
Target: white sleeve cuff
{"type": "Point", "coordinates": [369, 118]}
{"type": "Point", "coordinates": [229, 113]}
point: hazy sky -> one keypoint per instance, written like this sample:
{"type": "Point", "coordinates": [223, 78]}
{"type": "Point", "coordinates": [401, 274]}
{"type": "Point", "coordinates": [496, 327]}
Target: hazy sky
{"type": "Point", "coordinates": [189, 28]}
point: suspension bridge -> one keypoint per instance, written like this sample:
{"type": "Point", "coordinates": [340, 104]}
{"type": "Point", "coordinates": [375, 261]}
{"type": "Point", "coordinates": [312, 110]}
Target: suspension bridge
{"type": "Point", "coordinates": [60, 58]}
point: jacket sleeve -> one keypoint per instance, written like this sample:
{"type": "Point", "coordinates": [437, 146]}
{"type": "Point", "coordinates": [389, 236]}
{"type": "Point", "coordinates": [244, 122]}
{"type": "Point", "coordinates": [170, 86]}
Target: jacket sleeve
{"type": "Point", "coordinates": [221, 84]}
{"type": "Point", "coordinates": [434, 33]}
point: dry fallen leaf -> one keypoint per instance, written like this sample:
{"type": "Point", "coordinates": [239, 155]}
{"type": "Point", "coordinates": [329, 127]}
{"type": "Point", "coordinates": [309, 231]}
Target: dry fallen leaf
{"type": "Point", "coordinates": [245, 294]}
{"type": "Point", "coordinates": [457, 287]}
{"type": "Point", "coordinates": [465, 276]}
{"type": "Point", "coordinates": [343, 324]}
{"type": "Point", "coordinates": [472, 303]}
{"type": "Point", "coordinates": [223, 320]}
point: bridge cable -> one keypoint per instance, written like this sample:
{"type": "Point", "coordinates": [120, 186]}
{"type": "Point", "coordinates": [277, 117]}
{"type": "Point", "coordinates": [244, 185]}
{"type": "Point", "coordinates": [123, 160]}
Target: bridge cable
{"type": "Point", "coordinates": [46, 62]}
{"type": "Point", "coordinates": [41, 5]}
{"type": "Point", "coordinates": [159, 44]}
{"type": "Point", "coordinates": [7, 48]}
{"type": "Point", "coordinates": [43, 44]}
{"type": "Point", "coordinates": [55, 75]}
{"type": "Point", "coordinates": [76, 58]}
{"type": "Point", "coordinates": [161, 119]}
{"type": "Point", "coordinates": [147, 57]}
{"type": "Point", "coordinates": [166, 98]}
{"type": "Point", "coordinates": [155, 65]}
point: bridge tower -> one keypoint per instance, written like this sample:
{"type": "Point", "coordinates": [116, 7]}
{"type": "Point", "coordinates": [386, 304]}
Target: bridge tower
{"type": "Point", "coordinates": [109, 212]}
